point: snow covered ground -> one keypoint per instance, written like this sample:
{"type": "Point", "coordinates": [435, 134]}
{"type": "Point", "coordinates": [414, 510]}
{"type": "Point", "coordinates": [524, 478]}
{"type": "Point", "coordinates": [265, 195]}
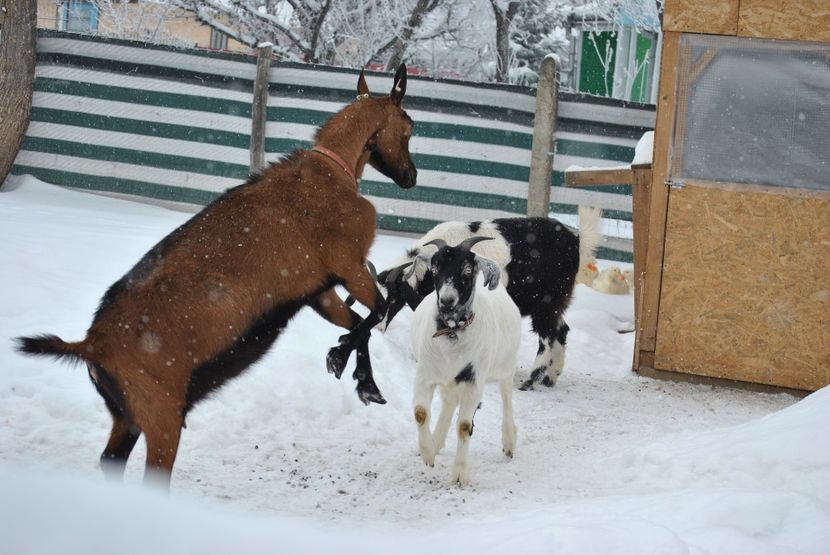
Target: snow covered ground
{"type": "Point", "coordinates": [286, 459]}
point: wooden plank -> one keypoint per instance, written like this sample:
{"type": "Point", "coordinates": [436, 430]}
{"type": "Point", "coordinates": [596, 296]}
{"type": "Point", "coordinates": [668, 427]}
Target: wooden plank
{"type": "Point", "coordinates": [641, 193]}
{"type": "Point", "coordinates": [744, 293]}
{"type": "Point", "coordinates": [597, 177]}
{"type": "Point", "coordinates": [714, 17]}
{"type": "Point", "coordinates": [677, 377]}
{"type": "Point", "coordinates": [805, 20]}
{"type": "Point", "coordinates": [645, 340]}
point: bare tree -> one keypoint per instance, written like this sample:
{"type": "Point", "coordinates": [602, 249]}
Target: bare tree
{"type": "Point", "coordinates": [293, 26]}
{"type": "Point", "coordinates": [400, 43]}
{"type": "Point", "coordinates": [446, 37]}
{"type": "Point", "coordinates": [504, 17]}
{"type": "Point", "coordinates": [142, 21]}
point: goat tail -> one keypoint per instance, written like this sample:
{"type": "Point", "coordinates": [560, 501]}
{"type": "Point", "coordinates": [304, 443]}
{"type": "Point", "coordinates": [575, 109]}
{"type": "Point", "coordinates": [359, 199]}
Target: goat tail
{"type": "Point", "coordinates": [52, 345]}
{"type": "Point", "coordinates": [590, 233]}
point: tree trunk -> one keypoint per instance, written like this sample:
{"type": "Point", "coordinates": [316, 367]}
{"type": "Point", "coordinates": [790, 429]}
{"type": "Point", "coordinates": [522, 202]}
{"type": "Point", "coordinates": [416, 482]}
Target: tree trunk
{"type": "Point", "coordinates": [312, 54]}
{"type": "Point", "coordinates": [400, 44]}
{"type": "Point", "coordinates": [18, 37]}
{"type": "Point", "coordinates": [503, 20]}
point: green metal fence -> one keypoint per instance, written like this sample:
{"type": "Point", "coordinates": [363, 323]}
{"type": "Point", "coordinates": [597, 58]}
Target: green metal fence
{"type": "Point", "coordinates": [173, 126]}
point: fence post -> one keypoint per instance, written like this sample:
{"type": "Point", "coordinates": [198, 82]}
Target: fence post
{"type": "Point", "coordinates": [259, 109]}
{"type": "Point", "coordinates": [544, 128]}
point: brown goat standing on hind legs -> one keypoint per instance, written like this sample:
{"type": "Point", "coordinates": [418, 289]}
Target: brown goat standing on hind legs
{"type": "Point", "coordinates": [211, 297]}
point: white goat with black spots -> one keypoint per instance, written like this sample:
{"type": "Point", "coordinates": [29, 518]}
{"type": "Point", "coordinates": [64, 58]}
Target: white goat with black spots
{"type": "Point", "coordinates": [466, 333]}
{"type": "Point", "coordinates": [538, 258]}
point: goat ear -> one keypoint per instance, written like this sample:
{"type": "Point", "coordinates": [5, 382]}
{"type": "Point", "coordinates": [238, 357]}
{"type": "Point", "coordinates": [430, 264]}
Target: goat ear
{"type": "Point", "coordinates": [362, 87]}
{"type": "Point", "coordinates": [490, 270]}
{"type": "Point", "coordinates": [420, 265]}
{"type": "Point", "coordinates": [399, 88]}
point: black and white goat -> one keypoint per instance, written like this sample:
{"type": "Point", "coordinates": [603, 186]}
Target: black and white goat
{"type": "Point", "coordinates": [538, 258]}
{"type": "Point", "coordinates": [466, 333]}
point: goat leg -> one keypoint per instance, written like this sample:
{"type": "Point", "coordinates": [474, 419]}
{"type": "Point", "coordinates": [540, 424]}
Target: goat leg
{"type": "Point", "coordinates": [363, 288]}
{"type": "Point", "coordinates": [122, 440]}
{"type": "Point", "coordinates": [550, 359]}
{"type": "Point", "coordinates": [367, 389]}
{"type": "Point", "coordinates": [337, 358]}
{"type": "Point", "coordinates": [331, 307]}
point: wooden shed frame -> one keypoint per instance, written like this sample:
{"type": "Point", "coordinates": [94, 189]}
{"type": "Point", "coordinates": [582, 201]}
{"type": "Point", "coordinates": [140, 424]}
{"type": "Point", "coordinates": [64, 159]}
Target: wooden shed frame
{"type": "Point", "coordinates": [733, 279]}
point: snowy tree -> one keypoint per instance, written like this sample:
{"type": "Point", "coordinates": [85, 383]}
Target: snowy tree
{"type": "Point", "coordinates": [537, 31]}
{"type": "Point", "coordinates": [488, 40]}
{"type": "Point", "coordinates": [294, 27]}
{"type": "Point", "coordinates": [503, 12]}
{"type": "Point", "coordinates": [348, 32]}
{"type": "Point", "coordinates": [404, 37]}
{"type": "Point", "coordinates": [642, 14]}
{"type": "Point", "coordinates": [455, 41]}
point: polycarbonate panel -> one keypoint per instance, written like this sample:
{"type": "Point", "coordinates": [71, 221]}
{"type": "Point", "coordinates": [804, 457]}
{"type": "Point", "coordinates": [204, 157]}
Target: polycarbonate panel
{"type": "Point", "coordinates": [753, 111]}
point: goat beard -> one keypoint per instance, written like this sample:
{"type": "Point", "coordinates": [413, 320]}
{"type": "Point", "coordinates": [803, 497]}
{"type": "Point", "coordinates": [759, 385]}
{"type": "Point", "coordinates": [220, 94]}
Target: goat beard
{"type": "Point", "coordinates": [460, 317]}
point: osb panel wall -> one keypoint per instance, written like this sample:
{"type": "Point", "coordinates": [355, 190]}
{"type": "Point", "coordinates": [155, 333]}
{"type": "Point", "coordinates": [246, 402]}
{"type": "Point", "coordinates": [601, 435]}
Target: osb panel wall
{"type": "Point", "coordinates": [696, 16]}
{"type": "Point", "coordinates": [785, 19]}
{"type": "Point", "coordinates": [746, 287]}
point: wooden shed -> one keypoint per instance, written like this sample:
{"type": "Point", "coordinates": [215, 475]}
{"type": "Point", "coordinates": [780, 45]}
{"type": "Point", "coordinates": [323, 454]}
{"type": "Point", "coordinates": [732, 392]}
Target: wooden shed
{"type": "Point", "coordinates": [732, 220]}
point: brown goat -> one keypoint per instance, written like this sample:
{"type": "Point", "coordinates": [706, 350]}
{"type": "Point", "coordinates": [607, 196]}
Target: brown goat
{"type": "Point", "coordinates": [211, 297]}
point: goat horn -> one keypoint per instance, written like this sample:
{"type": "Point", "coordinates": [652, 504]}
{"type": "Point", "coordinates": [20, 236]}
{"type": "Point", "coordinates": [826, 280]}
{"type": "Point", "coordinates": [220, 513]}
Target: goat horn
{"type": "Point", "coordinates": [467, 244]}
{"type": "Point", "coordinates": [439, 243]}
{"type": "Point", "coordinates": [393, 274]}
{"type": "Point", "coordinates": [372, 269]}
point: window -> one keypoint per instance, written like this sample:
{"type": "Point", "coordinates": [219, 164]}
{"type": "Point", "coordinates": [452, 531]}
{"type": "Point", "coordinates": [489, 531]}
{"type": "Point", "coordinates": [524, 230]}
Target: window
{"type": "Point", "coordinates": [753, 111]}
{"type": "Point", "coordinates": [80, 17]}
{"type": "Point", "coordinates": [218, 40]}
{"type": "Point", "coordinates": [596, 67]}
{"type": "Point", "coordinates": [617, 63]}
{"type": "Point", "coordinates": [634, 69]}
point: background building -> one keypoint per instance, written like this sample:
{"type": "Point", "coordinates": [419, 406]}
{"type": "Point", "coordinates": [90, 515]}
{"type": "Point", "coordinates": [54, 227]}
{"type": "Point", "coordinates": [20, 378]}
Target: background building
{"type": "Point", "coordinates": [134, 20]}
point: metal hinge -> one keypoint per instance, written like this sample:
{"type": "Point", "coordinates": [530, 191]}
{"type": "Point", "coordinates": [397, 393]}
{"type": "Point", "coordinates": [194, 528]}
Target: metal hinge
{"type": "Point", "coordinates": [674, 184]}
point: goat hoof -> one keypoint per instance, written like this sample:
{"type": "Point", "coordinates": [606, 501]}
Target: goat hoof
{"type": "Point", "coordinates": [336, 361]}
{"type": "Point", "coordinates": [548, 381]}
{"type": "Point", "coordinates": [370, 397]}
{"type": "Point", "coordinates": [527, 386]}
{"type": "Point", "coordinates": [460, 478]}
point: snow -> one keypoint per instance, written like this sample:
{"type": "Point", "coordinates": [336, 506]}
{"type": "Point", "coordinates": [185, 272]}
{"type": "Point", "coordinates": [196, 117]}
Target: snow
{"type": "Point", "coordinates": [578, 168]}
{"type": "Point", "coordinates": [644, 149]}
{"type": "Point", "coordinates": [555, 57]}
{"type": "Point", "coordinates": [642, 155]}
{"type": "Point", "coordinates": [285, 458]}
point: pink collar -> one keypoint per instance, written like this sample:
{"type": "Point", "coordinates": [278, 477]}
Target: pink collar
{"type": "Point", "coordinates": [337, 159]}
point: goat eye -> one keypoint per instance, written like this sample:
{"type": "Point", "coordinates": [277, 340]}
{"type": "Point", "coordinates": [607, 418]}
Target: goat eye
{"type": "Point", "coordinates": [434, 270]}
{"type": "Point", "coordinates": [468, 270]}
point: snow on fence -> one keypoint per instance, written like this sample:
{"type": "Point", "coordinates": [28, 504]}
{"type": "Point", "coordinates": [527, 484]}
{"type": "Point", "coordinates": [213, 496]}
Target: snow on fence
{"type": "Point", "coordinates": [174, 125]}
